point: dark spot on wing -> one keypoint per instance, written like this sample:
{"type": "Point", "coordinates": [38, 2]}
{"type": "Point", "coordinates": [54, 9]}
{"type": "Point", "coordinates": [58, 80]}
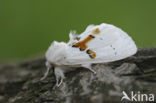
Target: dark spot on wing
{"type": "Point", "coordinates": [92, 36]}
{"type": "Point", "coordinates": [81, 49]}
{"type": "Point", "coordinates": [87, 51]}
{"type": "Point", "coordinates": [77, 38]}
{"type": "Point", "coordinates": [74, 46]}
{"type": "Point", "coordinates": [91, 53]}
{"type": "Point", "coordinates": [113, 49]}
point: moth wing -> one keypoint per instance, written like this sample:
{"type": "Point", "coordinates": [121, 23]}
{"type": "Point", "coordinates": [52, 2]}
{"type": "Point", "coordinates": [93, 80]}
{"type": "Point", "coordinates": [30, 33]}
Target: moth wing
{"type": "Point", "coordinates": [110, 44]}
{"type": "Point", "coordinates": [73, 37]}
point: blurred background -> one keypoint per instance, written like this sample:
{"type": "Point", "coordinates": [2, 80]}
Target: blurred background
{"type": "Point", "coordinates": [27, 27]}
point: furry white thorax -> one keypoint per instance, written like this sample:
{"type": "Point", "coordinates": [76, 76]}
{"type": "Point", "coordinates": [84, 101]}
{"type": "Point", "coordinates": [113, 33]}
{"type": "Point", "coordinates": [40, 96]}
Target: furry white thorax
{"type": "Point", "coordinates": [56, 52]}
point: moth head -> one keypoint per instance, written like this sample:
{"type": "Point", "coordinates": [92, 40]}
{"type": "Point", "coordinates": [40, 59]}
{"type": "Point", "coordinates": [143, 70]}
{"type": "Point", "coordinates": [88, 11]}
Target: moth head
{"type": "Point", "coordinates": [56, 52]}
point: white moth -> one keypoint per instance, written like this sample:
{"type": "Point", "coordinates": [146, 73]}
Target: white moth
{"type": "Point", "coordinates": [97, 44]}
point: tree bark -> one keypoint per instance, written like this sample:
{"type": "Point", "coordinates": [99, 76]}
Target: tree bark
{"type": "Point", "coordinates": [20, 82]}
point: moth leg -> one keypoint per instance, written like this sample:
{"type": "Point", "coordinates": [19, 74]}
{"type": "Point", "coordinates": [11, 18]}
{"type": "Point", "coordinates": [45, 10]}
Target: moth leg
{"type": "Point", "coordinates": [59, 74]}
{"type": "Point", "coordinates": [88, 66]}
{"type": "Point", "coordinates": [46, 73]}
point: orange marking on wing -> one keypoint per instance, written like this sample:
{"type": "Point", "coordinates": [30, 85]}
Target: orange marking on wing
{"type": "Point", "coordinates": [82, 44]}
{"type": "Point", "coordinates": [91, 53]}
{"type": "Point", "coordinates": [96, 31]}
